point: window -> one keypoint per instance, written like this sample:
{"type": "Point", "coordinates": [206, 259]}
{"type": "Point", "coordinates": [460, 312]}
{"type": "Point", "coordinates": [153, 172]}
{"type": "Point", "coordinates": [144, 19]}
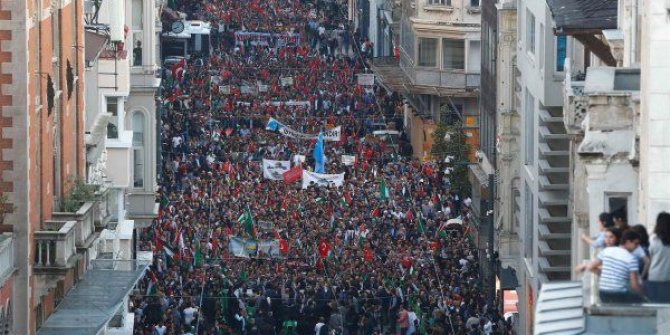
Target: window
{"type": "Point", "coordinates": [453, 54]}
{"type": "Point", "coordinates": [439, 2]}
{"type": "Point", "coordinates": [69, 79]}
{"type": "Point", "coordinates": [138, 167]}
{"type": "Point", "coordinates": [427, 52]}
{"type": "Point", "coordinates": [541, 45]}
{"type": "Point", "coordinates": [618, 204]}
{"type": "Point", "coordinates": [137, 13]}
{"type": "Point", "coordinates": [137, 48]}
{"type": "Point", "coordinates": [113, 108]}
{"type": "Point", "coordinates": [51, 95]}
{"type": "Point", "coordinates": [561, 51]}
{"type": "Point", "coordinates": [474, 3]}
{"type": "Point", "coordinates": [138, 149]}
{"type": "Point", "coordinates": [475, 57]}
{"type": "Point", "coordinates": [529, 125]}
{"type": "Point", "coordinates": [529, 222]}
{"type": "Point", "coordinates": [530, 32]}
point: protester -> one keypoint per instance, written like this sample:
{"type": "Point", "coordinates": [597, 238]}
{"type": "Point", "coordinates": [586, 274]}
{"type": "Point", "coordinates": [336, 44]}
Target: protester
{"type": "Point", "coordinates": [236, 252]}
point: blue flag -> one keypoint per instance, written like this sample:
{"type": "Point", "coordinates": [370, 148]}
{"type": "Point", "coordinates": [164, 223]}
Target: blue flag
{"type": "Point", "coordinates": [319, 155]}
{"type": "Point", "coordinates": [272, 125]}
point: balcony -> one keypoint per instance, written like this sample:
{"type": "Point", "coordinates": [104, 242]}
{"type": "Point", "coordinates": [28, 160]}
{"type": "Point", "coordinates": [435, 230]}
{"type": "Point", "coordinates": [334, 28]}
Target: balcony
{"type": "Point", "coordinates": [103, 211]}
{"type": "Point", "coordinates": [6, 257]}
{"type": "Point", "coordinates": [403, 77]}
{"type": "Point", "coordinates": [145, 77]}
{"type": "Point", "coordinates": [56, 246]}
{"type": "Point", "coordinates": [573, 308]}
{"type": "Point", "coordinates": [85, 227]}
{"type": "Point", "coordinates": [142, 207]}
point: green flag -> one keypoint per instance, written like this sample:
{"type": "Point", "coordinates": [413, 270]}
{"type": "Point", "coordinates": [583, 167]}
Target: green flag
{"type": "Point", "coordinates": [247, 220]}
{"type": "Point", "coordinates": [420, 227]}
{"type": "Point", "coordinates": [164, 201]}
{"type": "Point", "coordinates": [383, 190]}
{"type": "Point", "coordinates": [197, 258]}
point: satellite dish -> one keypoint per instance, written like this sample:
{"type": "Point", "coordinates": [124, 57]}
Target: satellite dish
{"type": "Point", "coordinates": [177, 27]}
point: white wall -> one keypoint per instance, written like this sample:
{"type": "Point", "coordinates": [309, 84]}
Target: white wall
{"type": "Point", "coordinates": [655, 114]}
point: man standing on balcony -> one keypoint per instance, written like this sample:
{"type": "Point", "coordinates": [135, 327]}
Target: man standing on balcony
{"type": "Point", "coordinates": [618, 271]}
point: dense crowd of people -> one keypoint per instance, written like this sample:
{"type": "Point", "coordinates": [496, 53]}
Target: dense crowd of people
{"type": "Point", "coordinates": [387, 252]}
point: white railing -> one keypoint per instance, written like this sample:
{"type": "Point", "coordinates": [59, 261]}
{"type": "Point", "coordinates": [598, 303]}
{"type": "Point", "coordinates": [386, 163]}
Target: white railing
{"type": "Point", "coordinates": [55, 246]}
{"type": "Point", "coordinates": [85, 222]}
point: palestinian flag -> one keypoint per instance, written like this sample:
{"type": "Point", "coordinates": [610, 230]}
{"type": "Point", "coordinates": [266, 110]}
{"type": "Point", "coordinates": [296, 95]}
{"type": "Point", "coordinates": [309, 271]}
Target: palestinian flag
{"type": "Point", "coordinates": [383, 191]}
{"type": "Point", "coordinates": [151, 287]}
{"type": "Point", "coordinates": [247, 220]}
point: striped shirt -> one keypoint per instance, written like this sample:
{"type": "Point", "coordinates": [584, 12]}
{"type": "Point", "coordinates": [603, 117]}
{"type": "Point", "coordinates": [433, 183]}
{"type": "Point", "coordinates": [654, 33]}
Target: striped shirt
{"type": "Point", "coordinates": [618, 263]}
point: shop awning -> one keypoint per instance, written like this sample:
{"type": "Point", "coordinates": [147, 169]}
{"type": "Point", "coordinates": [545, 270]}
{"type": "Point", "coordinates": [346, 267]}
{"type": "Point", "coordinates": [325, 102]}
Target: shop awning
{"type": "Point", "coordinates": [582, 15]}
{"type": "Point", "coordinates": [94, 44]}
{"type": "Point", "coordinates": [89, 306]}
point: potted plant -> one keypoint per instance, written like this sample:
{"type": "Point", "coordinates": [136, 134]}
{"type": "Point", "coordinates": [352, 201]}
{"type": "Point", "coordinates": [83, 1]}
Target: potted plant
{"type": "Point", "coordinates": [5, 207]}
{"type": "Point", "coordinates": [78, 195]}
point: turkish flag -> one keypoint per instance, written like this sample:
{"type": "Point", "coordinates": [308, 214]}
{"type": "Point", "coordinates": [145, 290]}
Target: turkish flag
{"type": "Point", "coordinates": [283, 246]}
{"type": "Point", "coordinates": [406, 262]}
{"type": "Point", "coordinates": [367, 254]}
{"type": "Point", "coordinates": [292, 174]}
{"type": "Point", "coordinates": [324, 249]}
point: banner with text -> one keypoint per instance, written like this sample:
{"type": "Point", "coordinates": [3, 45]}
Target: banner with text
{"type": "Point", "coordinates": [321, 179]}
{"type": "Point", "coordinates": [333, 134]}
{"type": "Point", "coordinates": [275, 169]}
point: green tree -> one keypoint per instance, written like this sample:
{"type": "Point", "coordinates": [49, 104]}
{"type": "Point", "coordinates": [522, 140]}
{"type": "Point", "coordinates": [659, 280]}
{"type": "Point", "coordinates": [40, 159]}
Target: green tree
{"type": "Point", "coordinates": [456, 148]}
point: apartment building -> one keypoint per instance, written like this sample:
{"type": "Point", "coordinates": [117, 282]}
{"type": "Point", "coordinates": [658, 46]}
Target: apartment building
{"type": "Point", "coordinates": [55, 227]}
{"type": "Point", "coordinates": [500, 137]}
{"type": "Point", "coordinates": [435, 66]}
{"type": "Point", "coordinates": [615, 112]}
{"type": "Point", "coordinates": [542, 190]}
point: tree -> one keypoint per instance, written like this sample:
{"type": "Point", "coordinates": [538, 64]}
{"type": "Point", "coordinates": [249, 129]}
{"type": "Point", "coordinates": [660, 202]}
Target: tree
{"type": "Point", "coordinates": [455, 147]}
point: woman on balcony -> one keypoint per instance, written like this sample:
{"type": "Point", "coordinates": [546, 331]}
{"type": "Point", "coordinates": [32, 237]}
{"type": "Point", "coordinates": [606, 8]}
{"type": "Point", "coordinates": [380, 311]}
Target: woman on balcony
{"type": "Point", "coordinates": [618, 270]}
{"type": "Point", "coordinates": [658, 286]}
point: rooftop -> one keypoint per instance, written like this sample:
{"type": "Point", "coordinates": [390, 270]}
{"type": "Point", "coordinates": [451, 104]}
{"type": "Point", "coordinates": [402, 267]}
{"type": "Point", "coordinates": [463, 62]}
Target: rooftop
{"type": "Point", "coordinates": [583, 14]}
{"type": "Point", "coordinates": [94, 300]}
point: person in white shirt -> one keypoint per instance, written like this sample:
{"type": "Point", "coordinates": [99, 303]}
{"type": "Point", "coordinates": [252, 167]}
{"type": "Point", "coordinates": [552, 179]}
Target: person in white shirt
{"type": "Point", "coordinates": [189, 314]}
{"type": "Point", "coordinates": [319, 325]}
{"type": "Point", "coordinates": [412, 318]}
{"type": "Point", "coordinates": [161, 329]}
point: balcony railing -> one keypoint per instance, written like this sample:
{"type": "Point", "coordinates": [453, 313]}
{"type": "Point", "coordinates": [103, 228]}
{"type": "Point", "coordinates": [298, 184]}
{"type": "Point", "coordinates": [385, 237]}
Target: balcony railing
{"type": "Point", "coordinates": [6, 256]}
{"type": "Point", "coordinates": [103, 210]}
{"type": "Point", "coordinates": [85, 223]}
{"type": "Point", "coordinates": [55, 246]}
{"type": "Point", "coordinates": [142, 207]}
{"type": "Point", "coordinates": [457, 79]}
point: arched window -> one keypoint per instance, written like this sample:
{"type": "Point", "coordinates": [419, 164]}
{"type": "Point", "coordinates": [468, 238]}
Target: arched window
{"type": "Point", "coordinates": [138, 149]}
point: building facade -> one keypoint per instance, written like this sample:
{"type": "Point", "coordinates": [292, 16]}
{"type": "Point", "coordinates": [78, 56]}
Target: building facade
{"type": "Point", "coordinates": [55, 231]}
{"type": "Point", "coordinates": [542, 190]}
{"type": "Point", "coordinates": [613, 104]}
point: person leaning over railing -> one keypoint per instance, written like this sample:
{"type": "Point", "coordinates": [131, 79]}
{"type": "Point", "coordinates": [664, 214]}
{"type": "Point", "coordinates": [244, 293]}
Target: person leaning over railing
{"type": "Point", "coordinates": [618, 270]}
{"type": "Point", "coordinates": [658, 285]}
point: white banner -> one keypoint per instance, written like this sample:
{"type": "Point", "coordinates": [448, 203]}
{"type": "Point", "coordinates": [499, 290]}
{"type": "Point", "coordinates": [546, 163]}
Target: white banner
{"type": "Point", "coordinates": [286, 81]}
{"type": "Point", "coordinates": [348, 160]}
{"type": "Point", "coordinates": [365, 79]}
{"type": "Point", "coordinates": [331, 135]}
{"type": "Point", "coordinates": [274, 169]}
{"type": "Point", "coordinates": [321, 179]}
{"type": "Point", "coordinates": [299, 159]}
